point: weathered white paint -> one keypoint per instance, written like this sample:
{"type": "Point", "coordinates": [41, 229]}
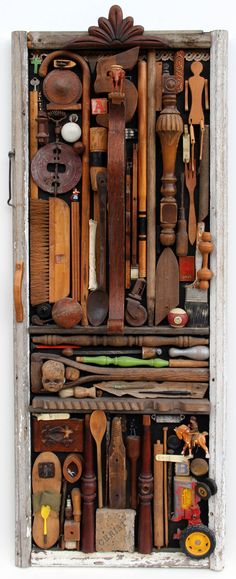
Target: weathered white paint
{"type": "Point", "coordinates": [24, 556]}
{"type": "Point", "coordinates": [78, 559]}
{"type": "Point", "coordinates": [218, 294]}
{"type": "Point", "coordinates": [21, 252]}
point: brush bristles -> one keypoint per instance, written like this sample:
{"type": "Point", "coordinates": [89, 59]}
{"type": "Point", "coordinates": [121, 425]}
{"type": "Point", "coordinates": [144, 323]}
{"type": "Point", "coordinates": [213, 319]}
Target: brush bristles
{"type": "Point", "coordinates": [39, 251]}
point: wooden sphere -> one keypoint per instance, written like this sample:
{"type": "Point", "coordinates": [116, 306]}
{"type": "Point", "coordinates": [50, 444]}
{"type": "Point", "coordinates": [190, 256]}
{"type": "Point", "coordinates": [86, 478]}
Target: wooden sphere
{"type": "Point", "coordinates": [78, 147]}
{"type": "Point", "coordinates": [67, 313]}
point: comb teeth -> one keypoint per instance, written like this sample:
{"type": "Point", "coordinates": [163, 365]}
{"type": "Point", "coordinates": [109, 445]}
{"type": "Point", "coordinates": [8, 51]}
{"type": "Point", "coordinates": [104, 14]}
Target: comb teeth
{"type": "Point", "coordinates": [39, 251]}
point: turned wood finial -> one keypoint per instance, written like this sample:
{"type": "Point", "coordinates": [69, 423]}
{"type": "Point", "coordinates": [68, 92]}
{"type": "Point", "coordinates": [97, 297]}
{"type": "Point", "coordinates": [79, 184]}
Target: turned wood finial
{"type": "Point", "coordinates": [205, 247]}
{"type": "Point", "coordinates": [169, 128]}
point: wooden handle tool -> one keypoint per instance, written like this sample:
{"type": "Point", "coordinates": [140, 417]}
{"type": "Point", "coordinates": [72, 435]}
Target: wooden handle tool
{"type": "Point", "coordinates": [98, 424]}
{"type": "Point", "coordinates": [75, 245]}
{"type": "Point", "coordinates": [195, 353]}
{"type": "Point", "coordinates": [18, 280]}
{"type": "Point", "coordinates": [128, 225]}
{"type": "Point", "coordinates": [134, 242]}
{"type": "Point", "coordinates": [33, 110]}
{"type": "Point", "coordinates": [142, 166]}
{"type": "Point", "coordinates": [181, 234]}
{"type": "Point", "coordinates": [191, 181]}
{"type": "Point", "coordinates": [151, 185]}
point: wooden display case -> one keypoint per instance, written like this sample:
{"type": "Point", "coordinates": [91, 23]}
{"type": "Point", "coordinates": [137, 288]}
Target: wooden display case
{"type": "Point", "coordinates": [210, 48]}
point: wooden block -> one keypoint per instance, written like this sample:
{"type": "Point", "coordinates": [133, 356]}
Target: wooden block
{"type": "Point", "coordinates": [58, 435]}
{"type": "Point", "coordinates": [115, 530]}
{"type": "Point", "coordinates": [99, 106]}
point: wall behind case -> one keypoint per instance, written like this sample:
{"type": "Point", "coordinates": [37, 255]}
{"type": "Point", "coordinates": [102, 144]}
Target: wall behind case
{"type": "Point", "coordinates": [58, 15]}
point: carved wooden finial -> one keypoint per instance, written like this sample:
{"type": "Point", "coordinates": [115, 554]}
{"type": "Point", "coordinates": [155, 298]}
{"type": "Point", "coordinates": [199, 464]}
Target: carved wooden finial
{"type": "Point", "coordinates": [116, 31]}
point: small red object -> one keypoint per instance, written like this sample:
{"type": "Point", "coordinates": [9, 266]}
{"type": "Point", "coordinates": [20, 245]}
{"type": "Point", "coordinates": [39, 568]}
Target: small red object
{"type": "Point", "coordinates": [187, 268]}
{"type": "Point", "coordinates": [99, 106]}
{"type": "Point", "coordinates": [177, 318]}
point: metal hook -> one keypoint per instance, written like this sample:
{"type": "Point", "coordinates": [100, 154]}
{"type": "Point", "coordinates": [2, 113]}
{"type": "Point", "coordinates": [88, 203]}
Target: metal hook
{"type": "Point", "coordinates": [11, 154]}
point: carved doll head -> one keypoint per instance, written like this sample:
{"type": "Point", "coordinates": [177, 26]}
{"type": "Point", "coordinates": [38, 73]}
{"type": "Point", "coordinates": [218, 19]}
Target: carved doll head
{"type": "Point", "coordinates": [53, 376]}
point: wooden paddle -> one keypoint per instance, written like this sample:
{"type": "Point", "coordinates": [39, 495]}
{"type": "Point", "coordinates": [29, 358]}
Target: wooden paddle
{"type": "Point", "coordinates": [98, 424]}
{"type": "Point", "coordinates": [167, 284]}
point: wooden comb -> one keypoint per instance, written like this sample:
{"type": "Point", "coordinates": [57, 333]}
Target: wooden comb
{"type": "Point", "coordinates": [49, 250]}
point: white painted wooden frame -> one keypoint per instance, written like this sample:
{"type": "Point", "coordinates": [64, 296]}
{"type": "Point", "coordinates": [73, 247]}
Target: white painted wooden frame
{"type": "Point", "coordinates": [25, 556]}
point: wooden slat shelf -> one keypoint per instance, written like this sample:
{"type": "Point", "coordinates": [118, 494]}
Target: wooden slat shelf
{"type": "Point", "coordinates": [126, 405]}
{"type": "Point", "coordinates": [179, 39]}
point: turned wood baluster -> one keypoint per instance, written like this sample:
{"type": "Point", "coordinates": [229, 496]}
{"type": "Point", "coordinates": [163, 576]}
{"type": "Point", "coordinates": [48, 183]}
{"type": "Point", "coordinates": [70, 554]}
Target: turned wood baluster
{"type": "Point", "coordinates": [169, 128]}
{"type": "Point", "coordinates": [145, 486]}
{"type": "Point", "coordinates": [88, 488]}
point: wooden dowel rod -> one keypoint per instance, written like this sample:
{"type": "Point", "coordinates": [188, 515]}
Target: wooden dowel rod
{"type": "Point", "coordinates": [151, 186]}
{"type": "Point", "coordinates": [142, 165]}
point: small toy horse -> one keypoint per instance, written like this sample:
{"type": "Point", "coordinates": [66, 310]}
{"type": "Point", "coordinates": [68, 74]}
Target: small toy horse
{"type": "Point", "coordinates": [191, 439]}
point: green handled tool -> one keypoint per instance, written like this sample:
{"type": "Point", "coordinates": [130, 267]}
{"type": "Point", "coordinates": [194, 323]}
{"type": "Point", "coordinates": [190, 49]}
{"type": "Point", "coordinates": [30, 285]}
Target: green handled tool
{"type": "Point", "coordinates": [122, 361]}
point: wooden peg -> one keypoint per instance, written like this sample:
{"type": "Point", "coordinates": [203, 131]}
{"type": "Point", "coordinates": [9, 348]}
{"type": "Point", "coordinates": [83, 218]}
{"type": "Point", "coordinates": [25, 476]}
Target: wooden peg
{"type": "Point", "coordinates": [205, 247]}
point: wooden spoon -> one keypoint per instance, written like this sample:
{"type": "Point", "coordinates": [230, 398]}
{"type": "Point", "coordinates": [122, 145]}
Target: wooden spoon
{"type": "Point", "coordinates": [98, 425]}
{"type": "Point", "coordinates": [97, 303]}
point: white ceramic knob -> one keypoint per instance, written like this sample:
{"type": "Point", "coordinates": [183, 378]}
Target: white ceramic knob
{"type": "Point", "coordinates": [71, 132]}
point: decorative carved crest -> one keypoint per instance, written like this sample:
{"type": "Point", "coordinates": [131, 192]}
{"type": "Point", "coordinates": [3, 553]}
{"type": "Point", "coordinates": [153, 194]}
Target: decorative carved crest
{"type": "Point", "coordinates": [114, 31]}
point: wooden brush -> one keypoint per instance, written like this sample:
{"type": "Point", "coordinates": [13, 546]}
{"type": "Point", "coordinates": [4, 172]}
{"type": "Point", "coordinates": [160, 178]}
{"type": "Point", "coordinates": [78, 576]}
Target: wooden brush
{"type": "Point", "coordinates": [49, 250]}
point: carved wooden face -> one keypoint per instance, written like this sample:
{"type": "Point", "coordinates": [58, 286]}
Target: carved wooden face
{"type": "Point", "coordinates": [53, 376]}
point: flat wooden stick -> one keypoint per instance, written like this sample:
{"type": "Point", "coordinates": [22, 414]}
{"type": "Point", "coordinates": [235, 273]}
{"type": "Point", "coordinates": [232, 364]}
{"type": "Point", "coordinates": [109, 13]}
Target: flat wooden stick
{"type": "Point", "coordinates": [165, 429]}
{"type": "Point", "coordinates": [158, 498]}
{"type": "Point", "coordinates": [151, 186]}
{"type": "Point", "coordinates": [142, 165]}
{"type": "Point", "coordinates": [33, 103]}
{"type": "Point", "coordinates": [75, 245]}
{"type": "Point", "coordinates": [134, 246]}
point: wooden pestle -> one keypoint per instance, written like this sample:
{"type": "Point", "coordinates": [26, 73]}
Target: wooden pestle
{"type": "Point", "coordinates": [133, 449]}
